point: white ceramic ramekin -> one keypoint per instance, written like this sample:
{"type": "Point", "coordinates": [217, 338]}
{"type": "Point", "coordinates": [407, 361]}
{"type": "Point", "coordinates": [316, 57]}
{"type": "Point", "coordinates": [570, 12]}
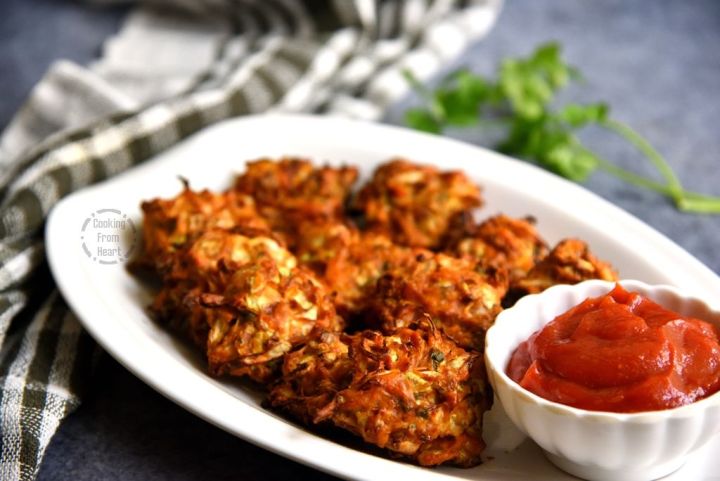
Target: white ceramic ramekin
{"type": "Point", "coordinates": [591, 444]}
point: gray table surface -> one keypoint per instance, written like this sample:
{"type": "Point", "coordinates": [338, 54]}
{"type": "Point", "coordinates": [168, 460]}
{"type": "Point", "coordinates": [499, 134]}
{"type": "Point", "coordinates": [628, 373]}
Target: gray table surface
{"type": "Point", "coordinates": [656, 62]}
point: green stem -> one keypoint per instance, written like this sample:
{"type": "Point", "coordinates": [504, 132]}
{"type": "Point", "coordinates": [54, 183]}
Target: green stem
{"type": "Point", "coordinates": [684, 200]}
{"type": "Point", "coordinates": [699, 203]}
{"type": "Point", "coordinates": [417, 86]}
{"type": "Point", "coordinates": [434, 107]}
{"type": "Point", "coordinates": [633, 178]}
{"type": "Point", "coordinates": [673, 183]}
{"type": "Point", "coordinates": [688, 201]}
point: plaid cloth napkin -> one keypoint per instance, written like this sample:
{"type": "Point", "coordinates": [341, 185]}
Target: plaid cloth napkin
{"type": "Point", "coordinates": [176, 67]}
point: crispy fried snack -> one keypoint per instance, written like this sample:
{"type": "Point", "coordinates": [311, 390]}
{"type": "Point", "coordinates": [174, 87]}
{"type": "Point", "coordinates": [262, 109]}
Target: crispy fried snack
{"type": "Point", "coordinates": [170, 225]}
{"type": "Point", "coordinates": [205, 267]}
{"type": "Point", "coordinates": [415, 392]}
{"type": "Point", "coordinates": [292, 190]}
{"type": "Point", "coordinates": [317, 242]}
{"type": "Point", "coordinates": [502, 241]}
{"type": "Point", "coordinates": [313, 375]}
{"type": "Point", "coordinates": [414, 204]}
{"type": "Point", "coordinates": [458, 299]}
{"type": "Point", "coordinates": [264, 311]}
{"type": "Point", "coordinates": [352, 274]}
{"type": "Point", "coordinates": [168, 307]}
{"type": "Point", "coordinates": [569, 262]}
{"type": "Point", "coordinates": [217, 251]}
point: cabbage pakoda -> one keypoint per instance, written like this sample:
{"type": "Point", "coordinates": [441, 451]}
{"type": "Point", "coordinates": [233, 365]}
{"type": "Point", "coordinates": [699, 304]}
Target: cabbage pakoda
{"type": "Point", "coordinates": [205, 267]}
{"type": "Point", "coordinates": [414, 393]}
{"type": "Point", "coordinates": [354, 272]}
{"type": "Point", "coordinates": [569, 262]}
{"type": "Point", "coordinates": [501, 241]}
{"type": "Point", "coordinates": [459, 300]}
{"type": "Point", "coordinates": [264, 311]}
{"type": "Point", "coordinates": [171, 225]}
{"type": "Point", "coordinates": [293, 190]}
{"type": "Point", "coordinates": [414, 204]}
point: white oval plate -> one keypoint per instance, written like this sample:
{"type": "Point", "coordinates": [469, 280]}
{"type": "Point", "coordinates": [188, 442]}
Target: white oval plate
{"type": "Point", "coordinates": [111, 304]}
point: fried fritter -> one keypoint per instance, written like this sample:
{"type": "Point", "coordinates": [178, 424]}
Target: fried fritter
{"type": "Point", "coordinates": [414, 204]}
{"type": "Point", "coordinates": [317, 242]}
{"type": "Point", "coordinates": [415, 392]}
{"type": "Point", "coordinates": [292, 190]}
{"type": "Point", "coordinates": [205, 267]}
{"type": "Point", "coordinates": [502, 241]}
{"type": "Point", "coordinates": [170, 225]}
{"type": "Point", "coordinates": [169, 307]}
{"type": "Point", "coordinates": [353, 273]}
{"type": "Point", "coordinates": [216, 251]}
{"type": "Point", "coordinates": [313, 375]}
{"type": "Point", "coordinates": [271, 310]}
{"type": "Point", "coordinates": [210, 275]}
{"type": "Point", "coordinates": [458, 299]}
{"type": "Point", "coordinates": [569, 262]}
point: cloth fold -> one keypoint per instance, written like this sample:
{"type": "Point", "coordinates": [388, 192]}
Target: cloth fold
{"type": "Point", "coordinates": [175, 67]}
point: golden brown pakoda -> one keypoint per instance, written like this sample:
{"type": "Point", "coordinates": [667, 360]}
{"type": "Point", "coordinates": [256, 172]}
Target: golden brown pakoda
{"type": "Point", "coordinates": [414, 204]}
{"type": "Point", "coordinates": [205, 267]}
{"type": "Point", "coordinates": [502, 241]}
{"type": "Point", "coordinates": [169, 308]}
{"type": "Point", "coordinates": [292, 190]}
{"type": "Point", "coordinates": [264, 311]}
{"type": "Point", "coordinates": [170, 225]}
{"type": "Point", "coordinates": [354, 272]}
{"type": "Point", "coordinates": [312, 376]}
{"type": "Point", "coordinates": [414, 393]}
{"type": "Point", "coordinates": [245, 301]}
{"type": "Point", "coordinates": [317, 242]}
{"type": "Point", "coordinates": [569, 262]}
{"type": "Point", "coordinates": [217, 251]}
{"type": "Point", "coordinates": [459, 300]}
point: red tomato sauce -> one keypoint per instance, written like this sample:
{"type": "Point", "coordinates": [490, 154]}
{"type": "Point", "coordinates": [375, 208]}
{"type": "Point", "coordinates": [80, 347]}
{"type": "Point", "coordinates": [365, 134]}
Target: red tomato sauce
{"type": "Point", "coordinates": [620, 352]}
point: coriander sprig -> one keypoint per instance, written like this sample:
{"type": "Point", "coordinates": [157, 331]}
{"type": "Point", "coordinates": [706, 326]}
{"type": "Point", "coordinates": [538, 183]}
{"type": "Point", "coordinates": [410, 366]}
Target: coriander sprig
{"type": "Point", "coordinates": [520, 101]}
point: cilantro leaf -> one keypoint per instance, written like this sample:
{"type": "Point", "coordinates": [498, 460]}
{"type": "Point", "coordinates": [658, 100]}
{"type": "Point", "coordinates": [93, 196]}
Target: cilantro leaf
{"type": "Point", "coordinates": [421, 119]}
{"type": "Point", "coordinates": [521, 99]}
{"type": "Point", "coordinates": [580, 115]}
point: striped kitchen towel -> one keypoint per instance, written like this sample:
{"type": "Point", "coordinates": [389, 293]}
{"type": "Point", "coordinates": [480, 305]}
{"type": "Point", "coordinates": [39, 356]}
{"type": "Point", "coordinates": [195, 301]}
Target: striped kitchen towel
{"type": "Point", "coordinates": [176, 67]}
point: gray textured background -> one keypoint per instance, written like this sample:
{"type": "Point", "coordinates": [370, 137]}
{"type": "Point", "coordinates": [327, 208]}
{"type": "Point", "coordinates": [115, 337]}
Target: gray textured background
{"type": "Point", "coordinates": [656, 62]}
